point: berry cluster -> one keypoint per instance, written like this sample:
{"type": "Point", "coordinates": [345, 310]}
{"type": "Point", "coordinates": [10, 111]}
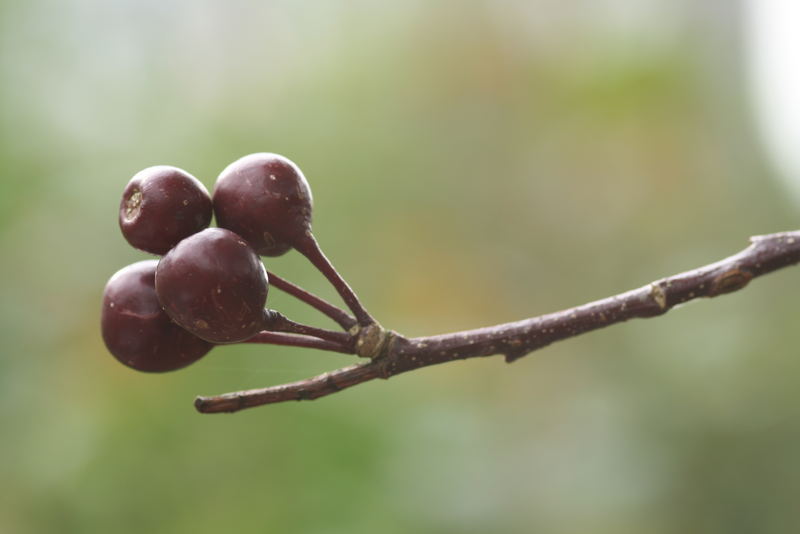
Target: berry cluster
{"type": "Point", "coordinates": [210, 286]}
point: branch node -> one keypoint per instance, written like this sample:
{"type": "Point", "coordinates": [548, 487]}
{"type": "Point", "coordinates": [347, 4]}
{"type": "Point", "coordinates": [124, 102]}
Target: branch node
{"type": "Point", "coordinates": [514, 355]}
{"type": "Point", "coordinates": [729, 281]}
{"type": "Point", "coordinates": [332, 383]}
{"type": "Point", "coordinates": [658, 296]}
{"type": "Point", "coordinates": [371, 341]}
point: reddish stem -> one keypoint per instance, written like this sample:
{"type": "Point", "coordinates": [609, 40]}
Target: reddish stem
{"type": "Point", "coordinates": [294, 340]}
{"type": "Point", "coordinates": [309, 248]}
{"type": "Point", "coordinates": [277, 322]}
{"type": "Point", "coordinates": [337, 314]}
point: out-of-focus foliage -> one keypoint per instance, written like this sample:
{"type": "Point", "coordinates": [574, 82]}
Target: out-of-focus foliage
{"type": "Point", "coordinates": [472, 163]}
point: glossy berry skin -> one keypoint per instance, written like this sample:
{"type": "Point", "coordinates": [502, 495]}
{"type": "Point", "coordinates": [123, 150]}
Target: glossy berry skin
{"type": "Point", "coordinates": [135, 328]}
{"type": "Point", "coordinates": [162, 205]}
{"type": "Point", "coordinates": [266, 199]}
{"type": "Point", "coordinates": [214, 285]}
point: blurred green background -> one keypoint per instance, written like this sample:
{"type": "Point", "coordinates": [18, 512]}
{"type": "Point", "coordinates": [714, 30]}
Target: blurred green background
{"type": "Point", "coordinates": [472, 162]}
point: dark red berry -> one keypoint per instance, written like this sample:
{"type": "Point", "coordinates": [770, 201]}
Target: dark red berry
{"type": "Point", "coordinates": [214, 285]}
{"type": "Point", "coordinates": [266, 199]}
{"type": "Point", "coordinates": [162, 205]}
{"type": "Point", "coordinates": [135, 328]}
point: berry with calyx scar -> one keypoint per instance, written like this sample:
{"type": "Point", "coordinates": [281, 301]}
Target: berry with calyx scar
{"type": "Point", "coordinates": [162, 205]}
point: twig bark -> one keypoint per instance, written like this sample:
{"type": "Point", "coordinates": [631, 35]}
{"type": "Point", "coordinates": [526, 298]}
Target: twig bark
{"type": "Point", "coordinates": [399, 354]}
